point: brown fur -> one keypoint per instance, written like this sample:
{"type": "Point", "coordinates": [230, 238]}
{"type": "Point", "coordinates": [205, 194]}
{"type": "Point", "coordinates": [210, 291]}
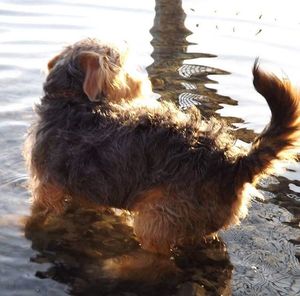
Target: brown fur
{"type": "Point", "coordinates": [99, 141]}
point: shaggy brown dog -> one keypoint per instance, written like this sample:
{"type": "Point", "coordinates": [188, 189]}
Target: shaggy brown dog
{"type": "Point", "coordinates": [96, 144]}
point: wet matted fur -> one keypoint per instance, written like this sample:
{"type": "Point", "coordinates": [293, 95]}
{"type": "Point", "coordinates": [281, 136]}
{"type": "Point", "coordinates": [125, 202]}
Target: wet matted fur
{"type": "Point", "coordinates": [99, 141]}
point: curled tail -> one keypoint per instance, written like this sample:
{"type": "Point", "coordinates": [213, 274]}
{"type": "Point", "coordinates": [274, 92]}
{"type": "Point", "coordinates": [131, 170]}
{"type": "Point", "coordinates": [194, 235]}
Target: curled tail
{"type": "Point", "coordinates": [280, 140]}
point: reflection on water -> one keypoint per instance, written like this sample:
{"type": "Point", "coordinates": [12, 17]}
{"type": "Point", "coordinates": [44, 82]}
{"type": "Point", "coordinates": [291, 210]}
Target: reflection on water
{"type": "Point", "coordinates": [172, 77]}
{"type": "Point", "coordinates": [97, 254]}
{"type": "Point", "coordinates": [86, 252]}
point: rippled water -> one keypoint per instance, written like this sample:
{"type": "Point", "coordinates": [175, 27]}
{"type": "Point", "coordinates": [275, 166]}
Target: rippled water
{"type": "Point", "coordinates": [196, 52]}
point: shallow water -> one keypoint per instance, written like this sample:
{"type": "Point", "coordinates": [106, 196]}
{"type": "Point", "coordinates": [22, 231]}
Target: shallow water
{"type": "Point", "coordinates": [195, 52]}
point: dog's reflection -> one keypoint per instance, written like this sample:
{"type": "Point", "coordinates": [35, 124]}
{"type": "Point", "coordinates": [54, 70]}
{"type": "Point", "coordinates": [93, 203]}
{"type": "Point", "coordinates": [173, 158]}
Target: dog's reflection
{"type": "Point", "coordinates": [96, 253]}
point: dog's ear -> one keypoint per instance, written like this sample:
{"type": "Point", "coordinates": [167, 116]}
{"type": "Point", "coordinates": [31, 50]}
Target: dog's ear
{"type": "Point", "coordinates": [98, 72]}
{"type": "Point", "coordinates": [53, 61]}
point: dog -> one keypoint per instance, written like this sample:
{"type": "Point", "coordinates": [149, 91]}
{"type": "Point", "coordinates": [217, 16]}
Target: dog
{"type": "Point", "coordinates": [99, 142]}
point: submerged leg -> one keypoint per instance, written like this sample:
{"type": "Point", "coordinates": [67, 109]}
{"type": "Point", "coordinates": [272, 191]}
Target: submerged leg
{"type": "Point", "coordinates": [47, 199]}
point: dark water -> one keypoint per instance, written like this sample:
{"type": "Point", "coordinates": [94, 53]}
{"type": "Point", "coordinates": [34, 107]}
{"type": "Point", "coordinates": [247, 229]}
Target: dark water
{"type": "Point", "coordinates": [197, 52]}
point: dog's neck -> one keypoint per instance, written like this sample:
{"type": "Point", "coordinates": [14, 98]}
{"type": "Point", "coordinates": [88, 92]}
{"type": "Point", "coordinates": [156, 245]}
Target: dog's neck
{"type": "Point", "coordinates": [65, 94]}
{"type": "Point", "coordinates": [71, 94]}
{"type": "Point", "coordinates": [75, 97]}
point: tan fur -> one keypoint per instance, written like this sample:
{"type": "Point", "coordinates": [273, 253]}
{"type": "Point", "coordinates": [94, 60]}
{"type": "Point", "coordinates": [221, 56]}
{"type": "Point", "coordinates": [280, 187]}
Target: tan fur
{"type": "Point", "coordinates": [163, 220]}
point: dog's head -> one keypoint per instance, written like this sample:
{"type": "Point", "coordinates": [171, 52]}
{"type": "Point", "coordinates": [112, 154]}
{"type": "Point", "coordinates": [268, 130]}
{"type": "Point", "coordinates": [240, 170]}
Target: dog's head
{"type": "Point", "coordinates": [95, 69]}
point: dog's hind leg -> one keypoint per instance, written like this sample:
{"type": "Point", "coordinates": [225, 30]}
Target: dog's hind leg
{"type": "Point", "coordinates": [162, 221]}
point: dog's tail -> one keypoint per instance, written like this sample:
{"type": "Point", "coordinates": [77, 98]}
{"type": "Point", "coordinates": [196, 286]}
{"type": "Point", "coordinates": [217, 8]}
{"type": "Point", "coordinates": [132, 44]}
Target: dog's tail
{"type": "Point", "coordinates": [280, 140]}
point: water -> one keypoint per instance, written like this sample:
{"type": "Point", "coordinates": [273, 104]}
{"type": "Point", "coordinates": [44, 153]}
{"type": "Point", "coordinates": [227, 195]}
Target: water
{"type": "Point", "coordinates": [196, 52]}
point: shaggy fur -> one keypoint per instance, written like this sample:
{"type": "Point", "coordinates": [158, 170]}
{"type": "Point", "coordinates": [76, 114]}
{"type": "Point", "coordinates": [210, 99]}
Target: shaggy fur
{"type": "Point", "coordinates": [99, 142]}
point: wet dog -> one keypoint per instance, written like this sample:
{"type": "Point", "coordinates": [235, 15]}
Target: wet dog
{"type": "Point", "coordinates": [98, 141]}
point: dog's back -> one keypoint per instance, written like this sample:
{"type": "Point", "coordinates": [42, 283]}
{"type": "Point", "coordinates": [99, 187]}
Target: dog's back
{"type": "Point", "coordinates": [112, 155]}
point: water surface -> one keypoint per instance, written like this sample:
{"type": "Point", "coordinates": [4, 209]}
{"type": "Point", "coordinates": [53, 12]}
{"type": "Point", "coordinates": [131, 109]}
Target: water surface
{"type": "Point", "coordinates": [195, 53]}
